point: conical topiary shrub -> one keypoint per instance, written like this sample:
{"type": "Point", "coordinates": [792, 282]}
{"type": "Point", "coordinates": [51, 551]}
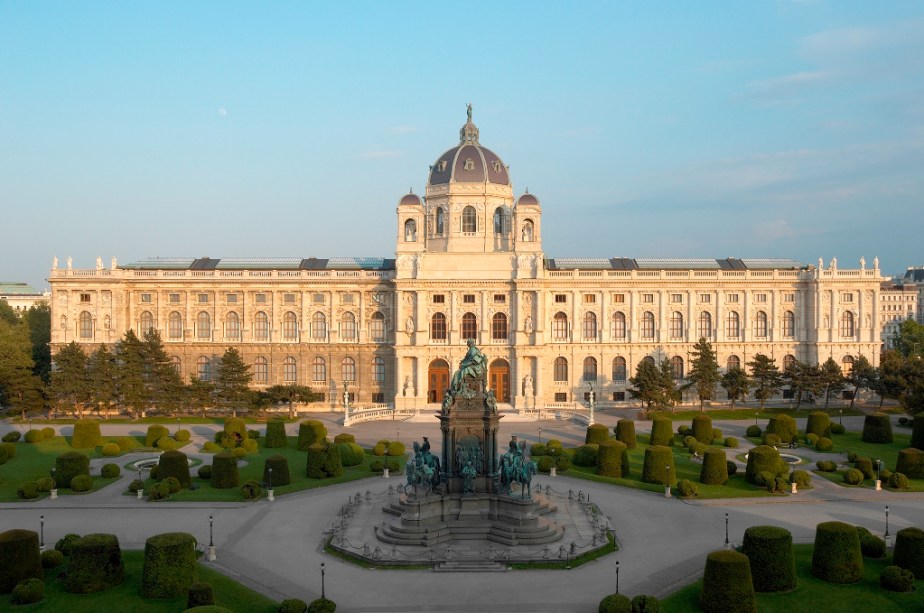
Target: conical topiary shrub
{"type": "Point", "coordinates": [773, 565]}
{"type": "Point", "coordinates": [597, 433]}
{"type": "Point", "coordinates": [783, 426]}
{"type": "Point", "coordinates": [310, 431]}
{"type": "Point", "coordinates": [877, 428]}
{"type": "Point", "coordinates": [200, 594]}
{"type": "Point", "coordinates": [702, 428]}
{"type": "Point", "coordinates": [169, 565]}
{"type": "Point", "coordinates": [95, 564]}
{"type": "Point", "coordinates": [837, 557]}
{"type": "Point", "coordinates": [224, 471]}
{"type": "Point", "coordinates": [174, 464]}
{"type": "Point", "coordinates": [20, 558]}
{"type": "Point", "coordinates": [280, 471]}
{"type": "Point", "coordinates": [762, 458]}
{"type": "Point", "coordinates": [609, 458]}
{"type": "Point", "coordinates": [910, 463]}
{"type": "Point", "coordinates": [917, 431]}
{"type": "Point", "coordinates": [625, 432]}
{"type": "Point", "coordinates": [727, 586]}
{"type": "Point", "coordinates": [659, 466]}
{"type": "Point", "coordinates": [818, 423]}
{"type": "Point", "coordinates": [715, 467]}
{"type": "Point", "coordinates": [155, 433]}
{"type": "Point", "coordinates": [236, 429]}
{"type": "Point", "coordinates": [275, 434]}
{"type": "Point", "coordinates": [662, 432]}
{"type": "Point", "coordinates": [909, 551]}
{"type": "Point", "coordinates": [86, 434]}
{"type": "Point", "coordinates": [68, 465]}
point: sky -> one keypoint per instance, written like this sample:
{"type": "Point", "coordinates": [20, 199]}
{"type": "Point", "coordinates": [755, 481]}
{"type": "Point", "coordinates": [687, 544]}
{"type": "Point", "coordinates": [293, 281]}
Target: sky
{"type": "Point", "coordinates": [790, 129]}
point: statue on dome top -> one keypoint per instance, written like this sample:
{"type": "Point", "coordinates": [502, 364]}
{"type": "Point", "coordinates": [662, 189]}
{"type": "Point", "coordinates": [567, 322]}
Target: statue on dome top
{"type": "Point", "coordinates": [468, 110]}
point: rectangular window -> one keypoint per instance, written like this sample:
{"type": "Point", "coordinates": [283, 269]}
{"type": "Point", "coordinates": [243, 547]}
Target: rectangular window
{"type": "Point", "coordinates": [787, 394]}
{"type": "Point", "coordinates": [289, 298]}
{"type": "Point", "coordinates": [174, 298]}
{"type": "Point", "coordinates": [676, 298]}
{"type": "Point", "coordinates": [203, 298]}
{"type": "Point", "coordinates": [705, 298]}
{"type": "Point", "coordinates": [260, 298]}
{"type": "Point", "coordinates": [439, 299]}
{"type": "Point", "coordinates": [648, 298]}
{"type": "Point", "coordinates": [231, 298]}
{"type": "Point", "coordinates": [619, 396]}
{"type": "Point", "coordinates": [561, 396]}
{"type": "Point", "coordinates": [321, 397]}
{"type": "Point", "coordinates": [468, 299]}
{"type": "Point", "coordinates": [84, 297]}
{"type": "Point", "coordinates": [760, 297]}
{"type": "Point", "coordinates": [732, 298]}
{"type": "Point", "coordinates": [500, 298]}
{"type": "Point", "coordinates": [847, 297]}
{"type": "Point", "coordinates": [346, 298]}
{"type": "Point", "coordinates": [378, 397]}
{"type": "Point", "coordinates": [619, 298]}
{"type": "Point", "coordinates": [145, 297]}
{"type": "Point", "coordinates": [317, 298]}
{"type": "Point", "coordinates": [590, 298]}
{"type": "Point", "coordinates": [789, 297]}
{"type": "Point", "coordinates": [561, 298]}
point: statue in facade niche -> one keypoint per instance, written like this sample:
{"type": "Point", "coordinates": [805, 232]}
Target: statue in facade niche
{"type": "Point", "coordinates": [408, 386]}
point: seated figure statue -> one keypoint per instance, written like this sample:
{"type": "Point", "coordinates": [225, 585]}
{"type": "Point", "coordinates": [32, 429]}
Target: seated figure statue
{"type": "Point", "coordinates": [474, 364]}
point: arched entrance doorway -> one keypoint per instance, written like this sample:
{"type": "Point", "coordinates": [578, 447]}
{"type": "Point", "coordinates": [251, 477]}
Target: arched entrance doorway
{"type": "Point", "coordinates": [437, 380]}
{"type": "Point", "coordinates": [499, 379]}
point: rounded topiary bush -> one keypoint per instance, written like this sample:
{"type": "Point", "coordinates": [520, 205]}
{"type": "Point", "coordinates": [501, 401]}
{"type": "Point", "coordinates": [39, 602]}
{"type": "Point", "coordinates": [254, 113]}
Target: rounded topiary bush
{"type": "Point", "coordinates": [687, 488]}
{"type": "Point", "coordinates": [771, 439]}
{"type": "Point", "coordinates": [275, 434]}
{"type": "Point", "coordinates": [169, 565]}
{"type": "Point", "coordinates": [896, 579]}
{"type": "Point", "coordinates": [545, 463]}
{"type": "Point", "coordinates": [95, 564]}
{"type": "Point", "coordinates": [111, 450]}
{"type": "Point", "coordinates": [917, 431]}
{"type": "Point", "coordinates": [773, 565]}
{"type": "Point", "coordinates": [292, 605]}
{"type": "Point", "coordinates": [801, 478]}
{"type": "Point", "coordinates": [174, 464]}
{"type": "Point", "coordinates": [562, 463]}
{"type": "Point", "coordinates": [586, 455]}
{"type": "Point", "coordinates": [811, 439]}
{"type": "Point", "coordinates": [10, 449]}
{"type": "Point", "coordinates": [28, 591]}
{"type": "Point", "coordinates": [596, 434]}
{"type": "Point", "coordinates": [238, 452]}
{"type": "Point", "coordinates": [762, 458]}
{"type": "Point", "coordinates": [609, 458]}
{"type": "Point", "coordinates": [865, 466]}
{"type": "Point", "coordinates": [236, 429]}
{"type": "Point", "coordinates": [351, 454]}
{"type": "Point", "coordinates": [19, 558]}
{"type": "Point", "coordinates": [727, 584]}
{"type": "Point", "coordinates": [615, 603]}
{"type": "Point", "coordinates": [731, 442]}
{"type": "Point", "coordinates": [731, 467]}
{"type": "Point", "coordinates": [224, 471]}
{"type": "Point", "coordinates": [625, 432]}
{"type": "Point", "coordinates": [200, 594]}
{"type": "Point", "coordinates": [753, 431]}
{"type": "Point", "coordinates": [838, 429]}
{"type": "Point", "coordinates": [135, 485]}
{"type": "Point", "coordinates": [110, 471]}
{"type": "Point", "coordinates": [321, 605]}
{"type": "Point", "coordinates": [155, 433]}
{"type": "Point", "coordinates": [381, 447]}
{"type": "Point", "coordinates": [12, 436]}
{"type": "Point", "coordinates": [909, 550]}
{"type": "Point", "coordinates": [173, 484]}
{"type": "Point", "coordinates": [714, 470]}
{"type": "Point", "coordinates": [824, 444]}
{"type": "Point", "coordinates": [646, 604]}
{"type": "Point", "coordinates": [877, 428]}
{"type": "Point", "coordinates": [852, 476]}
{"type": "Point", "coordinates": [836, 557]}
{"type": "Point", "coordinates": [52, 558]}
{"type": "Point", "coordinates": [165, 443]}
{"type": "Point", "coordinates": [159, 491]}
{"type": "Point", "coordinates": [82, 483]}
{"type": "Point", "coordinates": [827, 466]}
{"type": "Point", "coordinates": [871, 546]}
{"type": "Point", "coordinates": [65, 543]}
{"type": "Point", "coordinates": [910, 463]}
{"type": "Point", "coordinates": [48, 432]}
{"type": "Point", "coordinates": [395, 449]}
{"type": "Point", "coordinates": [27, 490]}
{"type": "Point", "coordinates": [280, 471]}
{"type": "Point", "coordinates": [68, 465]}
{"type": "Point", "coordinates": [205, 471]}
{"type": "Point", "coordinates": [210, 447]}
{"type": "Point", "coordinates": [783, 426]}
{"type": "Point", "coordinates": [662, 432]}
{"type": "Point", "coordinates": [538, 449]}
{"type": "Point", "coordinates": [344, 437]}
{"type": "Point", "coordinates": [182, 435]}
{"type": "Point", "coordinates": [312, 431]}
{"type": "Point", "coordinates": [702, 428]}
{"type": "Point", "coordinates": [86, 434]}
{"type": "Point", "coordinates": [251, 490]}
{"type": "Point", "coordinates": [898, 481]}
{"type": "Point", "coordinates": [819, 424]}
{"type": "Point", "coordinates": [659, 465]}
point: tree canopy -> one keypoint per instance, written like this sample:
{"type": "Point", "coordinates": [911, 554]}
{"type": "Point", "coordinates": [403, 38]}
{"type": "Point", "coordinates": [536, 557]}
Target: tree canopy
{"type": "Point", "coordinates": [704, 371]}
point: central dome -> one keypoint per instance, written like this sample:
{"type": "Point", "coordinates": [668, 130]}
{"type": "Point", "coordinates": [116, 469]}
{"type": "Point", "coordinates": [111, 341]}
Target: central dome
{"type": "Point", "coordinates": [469, 162]}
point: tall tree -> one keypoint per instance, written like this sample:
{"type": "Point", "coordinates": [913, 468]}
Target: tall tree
{"type": "Point", "coordinates": [736, 384]}
{"type": "Point", "coordinates": [832, 379]}
{"type": "Point", "coordinates": [862, 376]}
{"type": "Point", "coordinates": [913, 376]}
{"type": "Point", "coordinates": [652, 386]}
{"type": "Point", "coordinates": [39, 319]}
{"type": "Point", "coordinates": [803, 379]}
{"type": "Point", "coordinates": [232, 382]}
{"type": "Point", "coordinates": [104, 379]}
{"type": "Point", "coordinates": [19, 387]}
{"type": "Point", "coordinates": [161, 379]}
{"type": "Point", "coordinates": [70, 381]}
{"type": "Point", "coordinates": [910, 338]}
{"type": "Point", "coordinates": [133, 393]}
{"type": "Point", "coordinates": [199, 394]}
{"type": "Point", "coordinates": [766, 377]}
{"type": "Point", "coordinates": [290, 394]}
{"type": "Point", "coordinates": [7, 313]}
{"type": "Point", "coordinates": [889, 381]}
{"type": "Point", "coordinates": [704, 371]}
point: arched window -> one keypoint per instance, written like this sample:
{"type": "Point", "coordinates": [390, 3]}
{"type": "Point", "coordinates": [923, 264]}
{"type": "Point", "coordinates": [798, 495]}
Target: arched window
{"type": "Point", "coordinates": [732, 325]}
{"type": "Point", "coordinates": [561, 370]}
{"type": "Point", "coordinates": [204, 369]}
{"type": "Point", "coordinates": [590, 369]}
{"type": "Point", "coordinates": [260, 370]}
{"type": "Point", "coordinates": [788, 362]}
{"type": "Point", "coordinates": [499, 327]}
{"type": "Point", "coordinates": [147, 322]}
{"type": "Point", "coordinates": [619, 325]}
{"type": "Point", "coordinates": [318, 326]}
{"type": "Point", "coordinates": [289, 370]}
{"type": "Point", "coordinates": [649, 359]}
{"type": "Point", "coordinates": [348, 327]}
{"type": "Point", "coordinates": [789, 324]}
{"type": "Point", "coordinates": [232, 325]}
{"type": "Point", "coordinates": [560, 327]}
{"type": "Point", "coordinates": [704, 327]}
{"type": "Point", "coordinates": [677, 367]}
{"type": "Point", "coordinates": [85, 322]}
{"type": "Point", "coordinates": [290, 326]}
{"type": "Point", "coordinates": [203, 325]}
{"type": "Point", "coordinates": [590, 326]}
{"type": "Point", "coordinates": [469, 219]}
{"type": "Point", "coordinates": [260, 326]}
{"type": "Point", "coordinates": [410, 231]}
{"type": "Point", "coordinates": [847, 327]}
{"type": "Point", "coordinates": [177, 365]}
{"type": "Point", "coordinates": [847, 365]}
{"type": "Point", "coordinates": [319, 370]}
{"type": "Point", "coordinates": [469, 326]}
{"type": "Point", "coordinates": [501, 222]}
{"type": "Point", "coordinates": [527, 234]}
{"type": "Point", "coordinates": [440, 221]}
{"type": "Point", "coordinates": [377, 327]}
{"type": "Point", "coordinates": [438, 327]}
{"type": "Point", "coordinates": [760, 324]}
{"type": "Point", "coordinates": [619, 370]}
{"type": "Point", "coordinates": [175, 325]}
{"type": "Point", "coordinates": [732, 362]}
{"type": "Point", "coordinates": [348, 370]}
{"type": "Point", "coordinates": [676, 325]}
{"type": "Point", "coordinates": [648, 325]}
{"type": "Point", "coordinates": [378, 370]}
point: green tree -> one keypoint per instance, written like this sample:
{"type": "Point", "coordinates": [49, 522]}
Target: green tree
{"type": "Point", "coordinates": [704, 371]}
{"type": "Point", "coordinates": [862, 376]}
{"type": "Point", "coordinates": [889, 382]}
{"type": "Point", "coordinates": [70, 381]}
{"type": "Point", "coordinates": [803, 379]}
{"type": "Point", "coordinates": [199, 394]}
{"type": "Point", "coordinates": [232, 381]}
{"type": "Point", "coordinates": [162, 381]}
{"type": "Point", "coordinates": [910, 338]}
{"type": "Point", "coordinates": [654, 385]}
{"type": "Point", "coordinates": [832, 379]}
{"type": "Point", "coordinates": [913, 375]}
{"type": "Point", "coordinates": [736, 384]}
{"type": "Point", "coordinates": [39, 319]}
{"type": "Point", "coordinates": [290, 394]}
{"type": "Point", "coordinates": [19, 387]}
{"type": "Point", "coordinates": [104, 379]}
{"type": "Point", "coordinates": [130, 356]}
{"type": "Point", "coordinates": [7, 313]}
{"type": "Point", "coordinates": [766, 377]}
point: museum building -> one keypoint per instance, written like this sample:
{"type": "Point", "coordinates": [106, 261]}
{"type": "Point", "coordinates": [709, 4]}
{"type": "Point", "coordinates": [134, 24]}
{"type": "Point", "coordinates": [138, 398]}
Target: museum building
{"type": "Point", "coordinates": [469, 263]}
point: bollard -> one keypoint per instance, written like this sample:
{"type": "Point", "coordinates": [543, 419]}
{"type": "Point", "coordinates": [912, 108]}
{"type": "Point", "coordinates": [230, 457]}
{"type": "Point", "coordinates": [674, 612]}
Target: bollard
{"type": "Point", "coordinates": [140, 494]}
{"type": "Point", "coordinates": [552, 472]}
{"type": "Point", "coordinates": [794, 488]}
{"type": "Point", "coordinates": [271, 495]}
{"type": "Point", "coordinates": [385, 473]}
{"type": "Point", "coordinates": [54, 493]}
{"type": "Point", "coordinates": [878, 485]}
{"type": "Point", "coordinates": [211, 555]}
{"type": "Point", "coordinates": [667, 491]}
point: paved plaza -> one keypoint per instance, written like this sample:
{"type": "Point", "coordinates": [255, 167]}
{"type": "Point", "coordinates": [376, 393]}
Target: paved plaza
{"type": "Point", "coordinates": [276, 547]}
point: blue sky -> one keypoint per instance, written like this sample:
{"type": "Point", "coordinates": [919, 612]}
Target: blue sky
{"type": "Point", "coordinates": [673, 129]}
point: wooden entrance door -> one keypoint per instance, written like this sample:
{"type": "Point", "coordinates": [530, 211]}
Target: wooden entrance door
{"type": "Point", "coordinates": [499, 380]}
{"type": "Point", "coordinates": [438, 380]}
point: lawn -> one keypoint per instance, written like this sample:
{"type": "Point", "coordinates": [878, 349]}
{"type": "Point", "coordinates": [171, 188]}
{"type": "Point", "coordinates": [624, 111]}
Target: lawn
{"type": "Point", "coordinates": [748, 413]}
{"type": "Point", "coordinates": [125, 597]}
{"type": "Point", "coordinates": [38, 422]}
{"type": "Point", "coordinates": [813, 594]}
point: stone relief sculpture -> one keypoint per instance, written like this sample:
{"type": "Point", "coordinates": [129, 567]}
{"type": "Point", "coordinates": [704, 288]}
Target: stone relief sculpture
{"type": "Point", "coordinates": [528, 324]}
{"type": "Point", "coordinates": [409, 325]}
{"type": "Point", "coordinates": [528, 385]}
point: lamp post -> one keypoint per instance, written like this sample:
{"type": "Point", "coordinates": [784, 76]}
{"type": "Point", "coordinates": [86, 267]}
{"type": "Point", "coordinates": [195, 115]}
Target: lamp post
{"type": "Point", "coordinates": [41, 533]}
{"type": "Point", "coordinates": [617, 576]}
{"type": "Point", "coordinates": [878, 474]}
{"type": "Point", "coordinates": [177, 424]}
{"type": "Point", "coordinates": [887, 526]}
{"type": "Point", "coordinates": [322, 581]}
{"type": "Point", "coordinates": [840, 416]}
{"type": "Point", "coordinates": [667, 481]}
{"type": "Point", "coordinates": [591, 398]}
{"type": "Point", "coordinates": [726, 531]}
{"type": "Point", "coordinates": [54, 483]}
{"type": "Point", "coordinates": [540, 434]}
{"type": "Point", "coordinates": [211, 556]}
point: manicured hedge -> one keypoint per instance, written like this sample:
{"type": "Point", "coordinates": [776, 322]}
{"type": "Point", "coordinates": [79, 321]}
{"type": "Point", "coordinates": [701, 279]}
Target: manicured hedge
{"type": "Point", "coordinates": [801, 478]}
{"type": "Point", "coordinates": [871, 546]}
{"type": "Point", "coordinates": [715, 468]}
{"type": "Point", "coordinates": [68, 465]}
{"type": "Point", "coordinates": [662, 432]}
{"type": "Point", "coordinates": [819, 424]}
{"type": "Point", "coordinates": [111, 450]}
{"type": "Point", "coordinates": [615, 603]}
{"type": "Point", "coordinates": [836, 557]}
{"type": "Point", "coordinates": [236, 429]}
{"type": "Point", "coordinates": [200, 594]}
{"type": "Point", "coordinates": [865, 466]}
{"type": "Point", "coordinates": [596, 433]}
{"type": "Point", "coordinates": [19, 558]}
{"type": "Point", "coordinates": [52, 558]}
{"type": "Point", "coordinates": [344, 437]}
{"type": "Point", "coordinates": [169, 565]}
{"type": "Point", "coordinates": [773, 565]}
{"type": "Point", "coordinates": [321, 605]}
{"type": "Point", "coordinates": [702, 428]}
{"type": "Point", "coordinates": [753, 431]}
{"type": "Point", "coordinates": [155, 433]}
{"type": "Point", "coordinates": [280, 466]}
{"type": "Point", "coordinates": [275, 434]}
{"type": "Point", "coordinates": [910, 463]}
{"type": "Point", "coordinates": [896, 579]}
{"type": "Point", "coordinates": [852, 476]}
{"type": "Point", "coordinates": [310, 431]}
{"type": "Point", "coordinates": [86, 434]}
{"type": "Point", "coordinates": [656, 459]}
{"type": "Point", "coordinates": [909, 550]}
{"type": "Point", "coordinates": [251, 490]}
{"type": "Point", "coordinates": [761, 459]}
{"type": "Point", "coordinates": [65, 543]}
{"type": "Point", "coordinates": [917, 431]}
{"type": "Point", "coordinates": [783, 426]}
{"type": "Point", "coordinates": [824, 444]}
{"type": "Point", "coordinates": [644, 603]}
{"type": "Point", "coordinates": [323, 461]}
{"type": "Point", "coordinates": [12, 436]}
{"type": "Point", "coordinates": [586, 455]}
{"type": "Point", "coordinates": [877, 428]}
{"type": "Point", "coordinates": [625, 432]}
{"type": "Point", "coordinates": [351, 454]}
{"type": "Point", "coordinates": [727, 585]}
{"type": "Point", "coordinates": [609, 458]}
{"type": "Point", "coordinates": [95, 564]}
{"type": "Point", "coordinates": [28, 591]}
{"type": "Point", "coordinates": [224, 471]}
{"type": "Point", "coordinates": [174, 464]}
